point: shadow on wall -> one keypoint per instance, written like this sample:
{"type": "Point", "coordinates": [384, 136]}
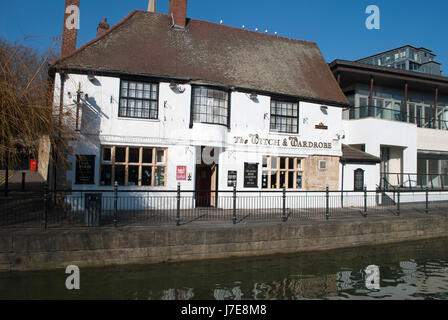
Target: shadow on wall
{"type": "Point", "coordinates": [91, 116]}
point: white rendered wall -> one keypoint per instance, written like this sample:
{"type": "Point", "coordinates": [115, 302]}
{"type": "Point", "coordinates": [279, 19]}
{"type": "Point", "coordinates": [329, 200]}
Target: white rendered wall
{"type": "Point", "coordinates": [432, 140]}
{"type": "Point", "coordinates": [101, 125]}
{"type": "Point", "coordinates": [375, 133]}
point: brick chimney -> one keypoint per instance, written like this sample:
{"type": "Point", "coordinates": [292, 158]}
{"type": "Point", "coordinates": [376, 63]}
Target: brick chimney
{"type": "Point", "coordinates": [103, 27]}
{"type": "Point", "coordinates": [178, 11]}
{"type": "Point", "coordinates": [152, 6]}
{"type": "Point", "coordinates": [70, 27]}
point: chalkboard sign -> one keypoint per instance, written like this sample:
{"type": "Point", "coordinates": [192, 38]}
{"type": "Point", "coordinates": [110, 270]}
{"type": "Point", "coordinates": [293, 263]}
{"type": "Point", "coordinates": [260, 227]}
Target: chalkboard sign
{"type": "Point", "coordinates": [85, 169]}
{"type": "Point", "coordinates": [231, 178]}
{"type": "Point", "coordinates": [359, 180]}
{"type": "Point", "coordinates": [250, 175]}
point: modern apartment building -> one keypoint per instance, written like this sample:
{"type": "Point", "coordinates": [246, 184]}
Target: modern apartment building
{"type": "Point", "coordinates": [406, 58]}
{"type": "Point", "coordinates": [398, 115]}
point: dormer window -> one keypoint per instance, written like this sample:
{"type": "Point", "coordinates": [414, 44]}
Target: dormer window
{"type": "Point", "coordinates": [139, 100]}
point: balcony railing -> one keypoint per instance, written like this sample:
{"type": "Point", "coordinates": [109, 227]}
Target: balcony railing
{"type": "Point", "coordinates": [397, 115]}
{"type": "Point", "coordinates": [414, 181]}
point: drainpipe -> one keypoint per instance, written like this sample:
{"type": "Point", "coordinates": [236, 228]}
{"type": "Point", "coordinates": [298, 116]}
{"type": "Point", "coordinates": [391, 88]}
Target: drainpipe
{"type": "Point", "coordinates": [342, 185]}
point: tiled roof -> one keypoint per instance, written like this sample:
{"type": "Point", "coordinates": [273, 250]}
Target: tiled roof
{"type": "Point", "coordinates": [351, 154]}
{"type": "Point", "coordinates": [145, 44]}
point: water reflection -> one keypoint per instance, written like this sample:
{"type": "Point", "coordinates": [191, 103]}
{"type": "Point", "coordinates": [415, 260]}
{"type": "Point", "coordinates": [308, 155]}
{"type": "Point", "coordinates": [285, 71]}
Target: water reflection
{"type": "Point", "coordinates": [406, 271]}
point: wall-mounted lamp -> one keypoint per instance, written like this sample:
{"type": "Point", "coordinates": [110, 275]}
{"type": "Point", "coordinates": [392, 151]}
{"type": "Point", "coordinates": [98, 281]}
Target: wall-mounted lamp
{"type": "Point", "coordinates": [253, 96]}
{"type": "Point", "coordinates": [176, 87]}
{"type": "Point", "coordinates": [91, 77]}
{"type": "Point", "coordinates": [324, 109]}
{"type": "Point", "coordinates": [305, 120]}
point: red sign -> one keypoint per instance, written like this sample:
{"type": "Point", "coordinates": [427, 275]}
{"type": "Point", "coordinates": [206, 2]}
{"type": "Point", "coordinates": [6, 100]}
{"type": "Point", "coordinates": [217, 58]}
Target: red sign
{"type": "Point", "coordinates": [33, 165]}
{"type": "Point", "coordinates": [181, 173]}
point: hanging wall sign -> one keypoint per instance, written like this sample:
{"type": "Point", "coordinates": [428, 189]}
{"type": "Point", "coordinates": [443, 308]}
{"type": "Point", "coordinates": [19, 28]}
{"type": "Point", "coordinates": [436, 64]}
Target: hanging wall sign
{"type": "Point", "coordinates": [250, 175]}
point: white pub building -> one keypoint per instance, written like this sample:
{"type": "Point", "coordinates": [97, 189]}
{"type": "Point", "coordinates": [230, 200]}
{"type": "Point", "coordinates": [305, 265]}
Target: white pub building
{"type": "Point", "coordinates": [164, 100]}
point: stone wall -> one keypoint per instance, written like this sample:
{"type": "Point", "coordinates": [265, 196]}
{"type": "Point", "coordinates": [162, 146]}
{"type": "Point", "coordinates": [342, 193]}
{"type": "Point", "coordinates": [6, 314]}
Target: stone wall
{"type": "Point", "coordinates": [317, 179]}
{"type": "Point", "coordinates": [35, 250]}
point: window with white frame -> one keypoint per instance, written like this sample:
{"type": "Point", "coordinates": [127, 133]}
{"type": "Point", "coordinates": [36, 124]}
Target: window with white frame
{"type": "Point", "coordinates": [138, 100]}
{"type": "Point", "coordinates": [284, 116]}
{"type": "Point", "coordinates": [133, 166]}
{"type": "Point", "coordinates": [210, 105]}
{"type": "Point", "coordinates": [282, 172]}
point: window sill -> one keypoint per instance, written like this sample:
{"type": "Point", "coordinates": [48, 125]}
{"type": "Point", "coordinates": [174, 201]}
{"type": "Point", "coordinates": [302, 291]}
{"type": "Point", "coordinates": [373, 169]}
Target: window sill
{"type": "Point", "coordinates": [137, 119]}
{"type": "Point", "coordinates": [284, 134]}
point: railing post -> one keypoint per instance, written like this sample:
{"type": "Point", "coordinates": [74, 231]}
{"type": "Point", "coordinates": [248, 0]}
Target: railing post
{"type": "Point", "coordinates": [234, 204]}
{"type": "Point", "coordinates": [327, 203]}
{"type": "Point", "coordinates": [365, 201]}
{"type": "Point", "coordinates": [23, 180]}
{"type": "Point", "coordinates": [427, 201]}
{"type": "Point", "coordinates": [284, 205]}
{"type": "Point", "coordinates": [115, 204]}
{"type": "Point", "coordinates": [178, 206]}
{"type": "Point", "coordinates": [45, 217]}
{"type": "Point", "coordinates": [398, 202]}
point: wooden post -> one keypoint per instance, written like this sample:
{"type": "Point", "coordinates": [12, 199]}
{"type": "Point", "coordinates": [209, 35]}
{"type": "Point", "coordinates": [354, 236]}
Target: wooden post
{"type": "Point", "coordinates": [436, 102]}
{"type": "Point", "coordinates": [404, 109]}
{"type": "Point", "coordinates": [371, 97]}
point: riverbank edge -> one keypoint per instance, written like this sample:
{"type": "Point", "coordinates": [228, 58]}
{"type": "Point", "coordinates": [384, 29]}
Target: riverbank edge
{"type": "Point", "coordinates": [32, 250]}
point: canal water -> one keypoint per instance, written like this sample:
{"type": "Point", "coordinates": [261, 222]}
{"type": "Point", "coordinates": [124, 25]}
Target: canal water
{"type": "Point", "coordinates": [413, 270]}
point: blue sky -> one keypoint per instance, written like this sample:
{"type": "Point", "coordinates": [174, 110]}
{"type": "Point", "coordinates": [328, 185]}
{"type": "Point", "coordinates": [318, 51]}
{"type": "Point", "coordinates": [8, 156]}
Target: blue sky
{"type": "Point", "coordinates": [338, 27]}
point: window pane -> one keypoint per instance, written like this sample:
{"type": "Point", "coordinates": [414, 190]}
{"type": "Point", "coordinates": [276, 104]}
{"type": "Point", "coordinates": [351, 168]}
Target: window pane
{"type": "Point", "coordinates": [291, 163]}
{"type": "Point", "coordinates": [120, 174]}
{"type": "Point", "coordinates": [107, 154]}
{"type": "Point", "coordinates": [264, 180]}
{"type": "Point", "coordinates": [146, 176]}
{"type": "Point", "coordinates": [274, 180]}
{"type": "Point", "coordinates": [133, 176]}
{"type": "Point", "coordinates": [120, 154]}
{"type": "Point", "coordinates": [299, 180]}
{"type": "Point", "coordinates": [282, 179]}
{"type": "Point", "coordinates": [106, 175]}
{"type": "Point", "coordinates": [160, 176]}
{"type": "Point", "coordinates": [160, 157]}
{"type": "Point", "coordinates": [282, 163]}
{"type": "Point", "coordinates": [290, 180]}
{"type": "Point", "coordinates": [147, 155]}
{"type": "Point", "coordinates": [134, 155]}
{"type": "Point", "coordinates": [274, 162]}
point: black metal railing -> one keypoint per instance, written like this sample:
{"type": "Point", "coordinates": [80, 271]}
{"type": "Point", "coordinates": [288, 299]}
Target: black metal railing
{"type": "Point", "coordinates": [122, 207]}
{"type": "Point", "coordinates": [413, 181]}
{"type": "Point", "coordinates": [422, 121]}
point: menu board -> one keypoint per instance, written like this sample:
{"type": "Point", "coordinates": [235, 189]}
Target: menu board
{"type": "Point", "coordinates": [359, 180]}
{"type": "Point", "coordinates": [231, 178]}
{"type": "Point", "coordinates": [85, 169]}
{"type": "Point", "coordinates": [250, 175]}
